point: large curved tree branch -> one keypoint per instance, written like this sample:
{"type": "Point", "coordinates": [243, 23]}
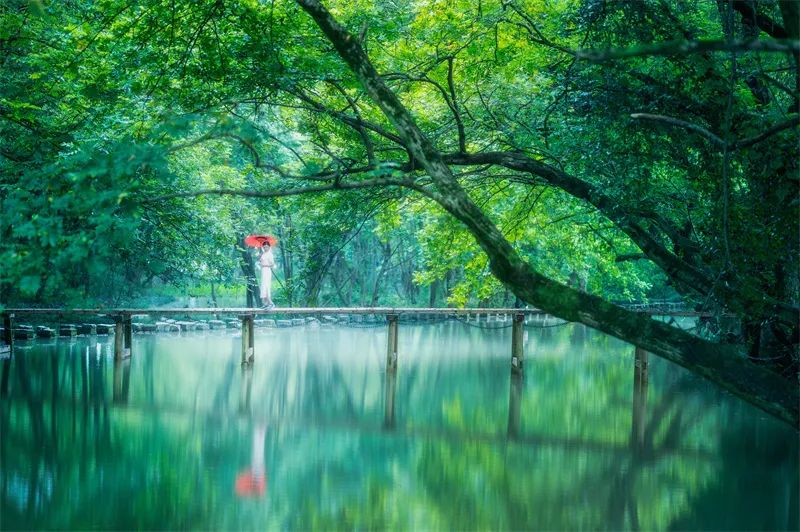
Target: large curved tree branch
{"type": "Point", "coordinates": [719, 363]}
{"type": "Point", "coordinates": [675, 267]}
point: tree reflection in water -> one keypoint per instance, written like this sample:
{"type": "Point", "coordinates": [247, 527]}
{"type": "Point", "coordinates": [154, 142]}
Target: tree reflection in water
{"type": "Point", "coordinates": [451, 441]}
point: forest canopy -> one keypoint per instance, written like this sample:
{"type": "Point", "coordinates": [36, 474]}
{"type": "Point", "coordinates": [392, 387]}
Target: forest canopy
{"type": "Point", "coordinates": [565, 154]}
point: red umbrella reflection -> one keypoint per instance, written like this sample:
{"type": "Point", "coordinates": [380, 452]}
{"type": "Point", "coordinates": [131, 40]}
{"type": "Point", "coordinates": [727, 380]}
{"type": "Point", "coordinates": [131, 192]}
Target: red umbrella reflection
{"type": "Point", "coordinates": [252, 482]}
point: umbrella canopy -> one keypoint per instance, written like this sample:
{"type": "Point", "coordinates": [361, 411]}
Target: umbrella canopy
{"type": "Point", "coordinates": [257, 241]}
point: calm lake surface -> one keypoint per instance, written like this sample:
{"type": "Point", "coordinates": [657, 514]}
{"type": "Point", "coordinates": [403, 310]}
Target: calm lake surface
{"type": "Point", "coordinates": [316, 436]}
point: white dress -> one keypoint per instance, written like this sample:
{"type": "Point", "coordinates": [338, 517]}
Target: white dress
{"type": "Point", "coordinates": [267, 262]}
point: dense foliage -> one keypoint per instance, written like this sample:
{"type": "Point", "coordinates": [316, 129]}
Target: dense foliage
{"type": "Point", "coordinates": [385, 247]}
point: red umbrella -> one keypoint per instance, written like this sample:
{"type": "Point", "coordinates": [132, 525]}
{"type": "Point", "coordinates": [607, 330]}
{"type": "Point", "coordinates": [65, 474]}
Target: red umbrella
{"type": "Point", "coordinates": [258, 241]}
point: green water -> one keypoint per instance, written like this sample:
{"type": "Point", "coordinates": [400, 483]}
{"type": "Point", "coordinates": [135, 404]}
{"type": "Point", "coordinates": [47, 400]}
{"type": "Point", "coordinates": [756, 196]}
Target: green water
{"type": "Point", "coordinates": [159, 441]}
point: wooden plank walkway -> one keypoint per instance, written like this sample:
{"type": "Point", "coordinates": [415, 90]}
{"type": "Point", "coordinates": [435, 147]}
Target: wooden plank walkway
{"type": "Point", "coordinates": [244, 311]}
{"type": "Point", "coordinates": [315, 311]}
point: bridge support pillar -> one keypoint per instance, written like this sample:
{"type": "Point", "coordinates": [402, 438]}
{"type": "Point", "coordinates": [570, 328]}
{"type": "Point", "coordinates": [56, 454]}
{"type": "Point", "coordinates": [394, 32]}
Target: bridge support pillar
{"type": "Point", "coordinates": [391, 350]}
{"type": "Point", "coordinates": [517, 338]}
{"type": "Point", "coordinates": [248, 338]}
{"type": "Point", "coordinates": [123, 336]}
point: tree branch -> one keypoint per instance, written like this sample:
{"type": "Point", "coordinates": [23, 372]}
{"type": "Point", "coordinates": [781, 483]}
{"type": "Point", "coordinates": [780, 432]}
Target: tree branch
{"type": "Point", "coordinates": [381, 182]}
{"type": "Point", "coordinates": [684, 47]}
{"type": "Point", "coordinates": [360, 128]}
{"type": "Point", "coordinates": [630, 256]}
{"type": "Point", "coordinates": [681, 123]}
{"type": "Point", "coordinates": [717, 141]}
{"type": "Point", "coordinates": [534, 34]}
{"type": "Point", "coordinates": [793, 122]}
{"type": "Point", "coordinates": [764, 23]}
{"type": "Point", "coordinates": [450, 101]}
{"type": "Point", "coordinates": [462, 136]}
{"type": "Point", "coordinates": [353, 122]}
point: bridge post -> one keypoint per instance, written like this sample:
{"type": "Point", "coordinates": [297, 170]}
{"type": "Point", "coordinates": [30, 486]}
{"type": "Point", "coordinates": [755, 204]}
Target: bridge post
{"type": "Point", "coordinates": [391, 350]}
{"type": "Point", "coordinates": [122, 336]}
{"type": "Point", "coordinates": [118, 337]}
{"type": "Point", "coordinates": [248, 338]}
{"type": "Point", "coordinates": [128, 334]}
{"type": "Point", "coordinates": [8, 336]}
{"type": "Point", "coordinates": [517, 350]}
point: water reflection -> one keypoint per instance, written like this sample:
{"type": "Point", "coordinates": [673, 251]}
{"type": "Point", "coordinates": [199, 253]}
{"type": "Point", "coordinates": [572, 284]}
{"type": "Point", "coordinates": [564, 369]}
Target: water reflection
{"type": "Point", "coordinates": [252, 482]}
{"type": "Point", "coordinates": [640, 378]}
{"type": "Point", "coordinates": [592, 437]}
{"type": "Point", "coordinates": [122, 377]}
{"type": "Point", "coordinates": [247, 389]}
{"type": "Point", "coordinates": [390, 389]}
{"type": "Point", "coordinates": [514, 403]}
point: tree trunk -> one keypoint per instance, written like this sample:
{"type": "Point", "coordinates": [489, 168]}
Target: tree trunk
{"type": "Point", "coordinates": [285, 234]}
{"type": "Point", "coordinates": [338, 283]}
{"type": "Point", "coordinates": [249, 271]}
{"type": "Point", "coordinates": [434, 288]}
{"type": "Point", "coordinates": [408, 265]}
{"type": "Point", "coordinates": [387, 256]}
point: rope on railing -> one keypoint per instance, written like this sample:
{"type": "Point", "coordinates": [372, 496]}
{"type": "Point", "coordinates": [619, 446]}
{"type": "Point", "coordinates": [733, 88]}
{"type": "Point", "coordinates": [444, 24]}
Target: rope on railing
{"type": "Point", "coordinates": [361, 325]}
{"type": "Point", "coordinates": [545, 325]}
{"type": "Point", "coordinates": [484, 325]}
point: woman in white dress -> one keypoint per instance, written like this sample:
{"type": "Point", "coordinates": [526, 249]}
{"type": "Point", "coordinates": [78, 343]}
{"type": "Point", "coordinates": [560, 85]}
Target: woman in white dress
{"type": "Point", "coordinates": [267, 263]}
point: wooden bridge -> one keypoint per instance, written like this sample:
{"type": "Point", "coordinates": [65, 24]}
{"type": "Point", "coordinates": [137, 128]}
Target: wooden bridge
{"type": "Point", "coordinates": [123, 324]}
{"type": "Point", "coordinates": [123, 328]}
